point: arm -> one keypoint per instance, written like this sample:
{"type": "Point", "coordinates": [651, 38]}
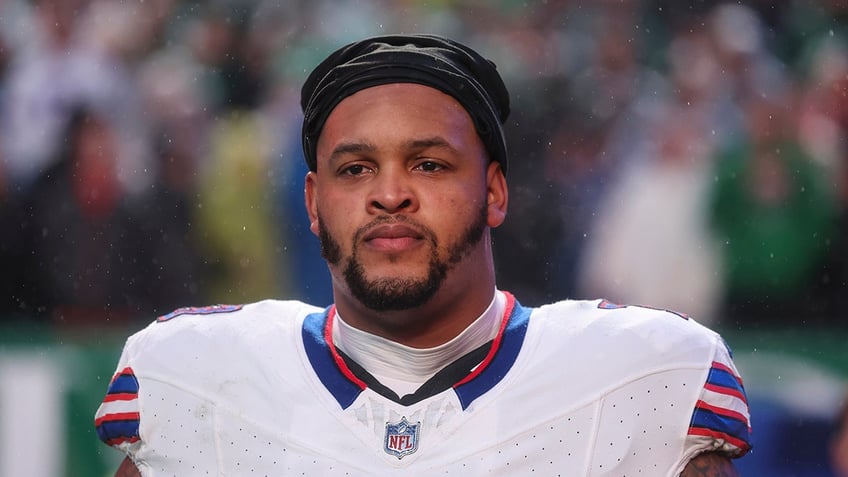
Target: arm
{"type": "Point", "coordinates": [128, 469]}
{"type": "Point", "coordinates": [708, 464]}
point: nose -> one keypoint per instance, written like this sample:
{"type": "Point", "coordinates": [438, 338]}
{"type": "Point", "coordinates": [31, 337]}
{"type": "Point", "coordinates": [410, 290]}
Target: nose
{"type": "Point", "coordinates": [392, 193]}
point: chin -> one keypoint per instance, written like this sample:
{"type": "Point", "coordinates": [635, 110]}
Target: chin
{"type": "Point", "coordinates": [394, 267]}
{"type": "Point", "coordinates": [393, 292]}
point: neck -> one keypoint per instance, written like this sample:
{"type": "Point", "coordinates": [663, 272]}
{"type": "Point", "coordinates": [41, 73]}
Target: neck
{"type": "Point", "coordinates": [404, 369]}
{"type": "Point", "coordinates": [465, 294]}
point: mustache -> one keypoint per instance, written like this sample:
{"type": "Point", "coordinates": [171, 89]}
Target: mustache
{"type": "Point", "coordinates": [425, 231]}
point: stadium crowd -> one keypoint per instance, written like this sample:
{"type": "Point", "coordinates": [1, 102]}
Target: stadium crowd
{"type": "Point", "coordinates": [688, 155]}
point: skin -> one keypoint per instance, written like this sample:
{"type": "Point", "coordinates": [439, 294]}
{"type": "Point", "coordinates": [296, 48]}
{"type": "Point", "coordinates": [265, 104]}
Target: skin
{"type": "Point", "coordinates": [403, 182]}
{"type": "Point", "coordinates": [401, 179]}
{"type": "Point", "coordinates": [127, 469]}
{"type": "Point", "coordinates": [838, 450]}
{"type": "Point", "coordinates": [709, 464]}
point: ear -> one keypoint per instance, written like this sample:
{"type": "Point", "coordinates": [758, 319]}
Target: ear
{"type": "Point", "coordinates": [310, 198]}
{"type": "Point", "coordinates": [497, 195]}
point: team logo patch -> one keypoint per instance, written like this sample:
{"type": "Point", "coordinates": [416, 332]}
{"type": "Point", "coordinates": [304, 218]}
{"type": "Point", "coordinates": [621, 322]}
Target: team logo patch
{"type": "Point", "coordinates": [608, 305]}
{"type": "Point", "coordinates": [401, 438]}
{"type": "Point", "coordinates": [199, 310]}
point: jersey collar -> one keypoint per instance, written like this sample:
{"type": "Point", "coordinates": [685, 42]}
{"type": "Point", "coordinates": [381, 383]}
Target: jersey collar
{"type": "Point", "coordinates": [470, 376]}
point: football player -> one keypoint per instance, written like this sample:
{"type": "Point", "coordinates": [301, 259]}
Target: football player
{"type": "Point", "coordinates": [422, 366]}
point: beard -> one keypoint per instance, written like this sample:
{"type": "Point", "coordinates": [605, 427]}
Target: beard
{"type": "Point", "coordinates": [401, 293]}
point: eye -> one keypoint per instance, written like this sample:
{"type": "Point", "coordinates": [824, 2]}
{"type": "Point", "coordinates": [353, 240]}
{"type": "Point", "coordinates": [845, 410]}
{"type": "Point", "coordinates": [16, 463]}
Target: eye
{"type": "Point", "coordinates": [354, 170]}
{"type": "Point", "coordinates": [429, 166]}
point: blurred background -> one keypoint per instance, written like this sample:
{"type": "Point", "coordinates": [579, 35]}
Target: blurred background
{"type": "Point", "coordinates": [684, 155]}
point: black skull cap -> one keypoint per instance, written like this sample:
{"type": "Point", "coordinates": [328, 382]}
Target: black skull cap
{"type": "Point", "coordinates": [429, 60]}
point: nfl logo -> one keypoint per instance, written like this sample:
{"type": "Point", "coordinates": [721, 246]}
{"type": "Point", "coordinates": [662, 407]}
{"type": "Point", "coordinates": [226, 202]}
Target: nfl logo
{"type": "Point", "coordinates": [401, 438]}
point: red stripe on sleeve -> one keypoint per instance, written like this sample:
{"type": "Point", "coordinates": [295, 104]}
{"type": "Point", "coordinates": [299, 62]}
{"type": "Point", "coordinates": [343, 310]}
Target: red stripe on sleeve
{"type": "Point", "coordinates": [724, 412]}
{"type": "Point", "coordinates": [121, 440]}
{"type": "Point", "coordinates": [124, 372]}
{"type": "Point", "coordinates": [120, 397]}
{"type": "Point", "coordinates": [724, 367]}
{"type": "Point", "coordinates": [700, 431]}
{"type": "Point", "coordinates": [726, 391]}
{"type": "Point", "coordinates": [118, 416]}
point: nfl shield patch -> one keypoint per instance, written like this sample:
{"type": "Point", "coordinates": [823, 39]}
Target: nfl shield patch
{"type": "Point", "coordinates": [401, 438]}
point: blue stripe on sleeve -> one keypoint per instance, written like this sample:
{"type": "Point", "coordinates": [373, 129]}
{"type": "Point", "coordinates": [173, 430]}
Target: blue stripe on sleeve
{"type": "Point", "coordinates": [110, 430]}
{"type": "Point", "coordinates": [124, 383]}
{"type": "Point", "coordinates": [720, 377]}
{"type": "Point", "coordinates": [710, 420]}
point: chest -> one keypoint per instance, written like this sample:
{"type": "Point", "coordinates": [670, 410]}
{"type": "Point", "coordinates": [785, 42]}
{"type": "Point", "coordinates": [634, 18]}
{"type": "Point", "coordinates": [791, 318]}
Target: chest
{"type": "Point", "coordinates": [526, 426]}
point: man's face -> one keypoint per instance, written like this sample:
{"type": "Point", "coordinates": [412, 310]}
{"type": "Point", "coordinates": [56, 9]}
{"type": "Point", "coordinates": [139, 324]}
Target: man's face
{"type": "Point", "coordinates": [402, 194]}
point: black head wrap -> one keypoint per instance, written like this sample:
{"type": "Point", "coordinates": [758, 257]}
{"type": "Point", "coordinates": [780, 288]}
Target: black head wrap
{"type": "Point", "coordinates": [428, 60]}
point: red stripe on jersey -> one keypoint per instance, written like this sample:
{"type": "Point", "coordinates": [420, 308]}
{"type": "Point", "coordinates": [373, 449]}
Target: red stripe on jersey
{"type": "Point", "coordinates": [496, 344]}
{"type": "Point", "coordinates": [726, 391]}
{"type": "Point", "coordinates": [328, 338]}
{"type": "Point", "coordinates": [121, 440]}
{"type": "Point", "coordinates": [700, 431]}
{"type": "Point", "coordinates": [724, 367]}
{"type": "Point", "coordinates": [117, 416]}
{"type": "Point", "coordinates": [120, 397]}
{"type": "Point", "coordinates": [126, 371]}
{"type": "Point", "coordinates": [723, 412]}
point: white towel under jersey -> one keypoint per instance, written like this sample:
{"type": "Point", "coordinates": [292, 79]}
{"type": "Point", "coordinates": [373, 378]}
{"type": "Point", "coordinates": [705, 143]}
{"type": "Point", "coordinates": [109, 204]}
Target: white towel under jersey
{"type": "Point", "coordinates": [575, 388]}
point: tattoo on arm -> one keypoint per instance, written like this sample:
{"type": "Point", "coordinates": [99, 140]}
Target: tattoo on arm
{"type": "Point", "coordinates": [710, 464]}
{"type": "Point", "coordinates": [127, 469]}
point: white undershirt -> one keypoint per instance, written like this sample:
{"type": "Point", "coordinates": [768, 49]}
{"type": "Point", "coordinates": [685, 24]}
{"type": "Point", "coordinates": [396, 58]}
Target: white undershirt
{"type": "Point", "coordinates": [404, 369]}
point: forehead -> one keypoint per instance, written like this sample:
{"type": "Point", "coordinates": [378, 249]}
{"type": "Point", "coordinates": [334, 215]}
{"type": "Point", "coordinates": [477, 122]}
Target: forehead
{"type": "Point", "coordinates": [400, 108]}
{"type": "Point", "coordinates": [401, 94]}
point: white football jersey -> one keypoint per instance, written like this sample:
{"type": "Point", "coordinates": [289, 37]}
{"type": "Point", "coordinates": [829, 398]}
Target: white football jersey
{"type": "Point", "coordinates": [575, 388]}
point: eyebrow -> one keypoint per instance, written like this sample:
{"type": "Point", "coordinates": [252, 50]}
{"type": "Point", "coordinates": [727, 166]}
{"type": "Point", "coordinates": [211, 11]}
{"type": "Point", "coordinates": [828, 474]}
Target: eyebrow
{"type": "Point", "coordinates": [411, 145]}
{"type": "Point", "coordinates": [424, 143]}
{"type": "Point", "coordinates": [352, 148]}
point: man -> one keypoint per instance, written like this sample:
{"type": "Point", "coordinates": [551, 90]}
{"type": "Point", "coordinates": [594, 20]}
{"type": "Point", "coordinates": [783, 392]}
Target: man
{"type": "Point", "coordinates": [422, 366]}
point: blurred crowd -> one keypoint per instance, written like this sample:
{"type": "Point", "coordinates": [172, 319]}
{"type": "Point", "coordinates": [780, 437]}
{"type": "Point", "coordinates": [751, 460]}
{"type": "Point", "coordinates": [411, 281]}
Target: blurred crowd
{"type": "Point", "coordinates": [687, 155]}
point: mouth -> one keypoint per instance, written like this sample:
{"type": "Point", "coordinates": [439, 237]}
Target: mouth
{"type": "Point", "coordinates": [393, 238]}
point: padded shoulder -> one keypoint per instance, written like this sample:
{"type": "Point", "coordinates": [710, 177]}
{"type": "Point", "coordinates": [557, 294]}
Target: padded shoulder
{"type": "Point", "coordinates": [200, 341]}
{"type": "Point", "coordinates": [613, 344]}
